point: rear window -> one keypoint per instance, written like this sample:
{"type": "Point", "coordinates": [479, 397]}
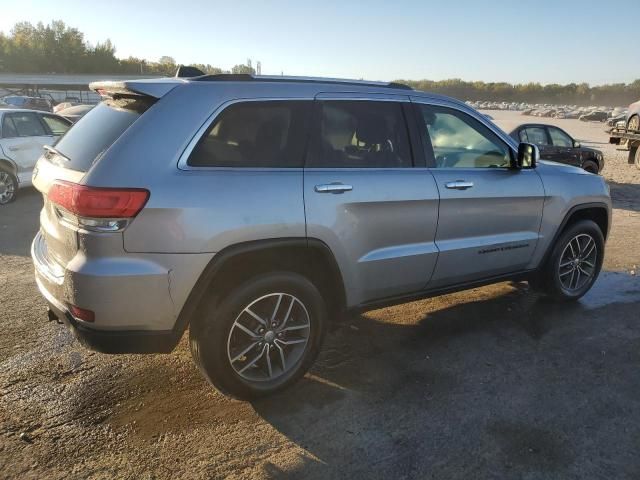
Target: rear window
{"type": "Point", "coordinates": [255, 134]}
{"type": "Point", "coordinates": [94, 133]}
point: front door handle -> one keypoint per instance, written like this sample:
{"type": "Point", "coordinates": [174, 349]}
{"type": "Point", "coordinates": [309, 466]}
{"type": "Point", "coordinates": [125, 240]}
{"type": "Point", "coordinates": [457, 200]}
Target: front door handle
{"type": "Point", "coordinates": [459, 185]}
{"type": "Point", "coordinates": [14, 149]}
{"type": "Point", "coordinates": [333, 188]}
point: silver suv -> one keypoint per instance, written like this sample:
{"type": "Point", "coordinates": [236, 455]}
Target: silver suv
{"type": "Point", "coordinates": [255, 210]}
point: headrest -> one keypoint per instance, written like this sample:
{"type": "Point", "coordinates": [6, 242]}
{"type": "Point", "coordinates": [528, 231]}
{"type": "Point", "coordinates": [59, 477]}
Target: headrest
{"type": "Point", "coordinates": [372, 130]}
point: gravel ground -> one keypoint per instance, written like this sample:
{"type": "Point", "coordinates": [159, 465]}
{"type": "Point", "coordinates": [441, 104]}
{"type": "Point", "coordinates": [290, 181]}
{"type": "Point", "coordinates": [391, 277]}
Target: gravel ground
{"type": "Point", "coordinates": [494, 382]}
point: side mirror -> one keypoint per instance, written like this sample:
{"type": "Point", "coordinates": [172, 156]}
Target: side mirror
{"type": "Point", "coordinates": [528, 156]}
{"type": "Point", "coordinates": [576, 144]}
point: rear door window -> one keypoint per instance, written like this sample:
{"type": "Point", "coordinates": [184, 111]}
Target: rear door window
{"type": "Point", "coordinates": [359, 134]}
{"type": "Point", "coordinates": [261, 134]}
{"type": "Point", "coordinates": [94, 133]}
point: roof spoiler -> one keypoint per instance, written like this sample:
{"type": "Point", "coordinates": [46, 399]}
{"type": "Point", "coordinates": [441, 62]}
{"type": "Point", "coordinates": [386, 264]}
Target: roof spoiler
{"type": "Point", "coordinates": [152, 87]}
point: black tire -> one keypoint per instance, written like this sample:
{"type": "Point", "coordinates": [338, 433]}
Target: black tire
{"type": "Point", "coordinates": [8, 186]}
{"type": "Point", "coordinates": [637, 158]}
{"type": "Point", "coordinates": [548, 280]}
{"type": "Point", "coordinates": [210, 334]}
{"type": "Point", "coordinates": [590, 166]}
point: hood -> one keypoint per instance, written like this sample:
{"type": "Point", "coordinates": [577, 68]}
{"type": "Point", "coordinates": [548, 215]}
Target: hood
{"type": "Point", "coordinates": [562, 167]}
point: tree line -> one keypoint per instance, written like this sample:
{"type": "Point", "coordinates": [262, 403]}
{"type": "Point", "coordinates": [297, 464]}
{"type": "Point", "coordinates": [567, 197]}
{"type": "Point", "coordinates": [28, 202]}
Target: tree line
{"type": "Point", "coordinates": [58, 48]}
{"type": "Point", "coordinates": [572, 93]}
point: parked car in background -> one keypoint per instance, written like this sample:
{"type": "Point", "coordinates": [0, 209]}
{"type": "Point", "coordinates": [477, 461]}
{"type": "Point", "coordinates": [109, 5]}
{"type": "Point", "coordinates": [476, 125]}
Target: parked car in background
{"type": "Point", "coordinates": [75, 113]}
{"type": "Point", "coordinates": [596, 116]}
{"type": "Point", "coordinates": [235, 227]}
{"type": "Point", "coordinates": [62, 106]}
{"type": "Point", "coordinates": [30, 103]}
{"type": "Point", "coordinates": [613, 121]}
{"type": "Point", "coordinates": [633, 116]}
{"type": "Point", "coordinates": [557, 145]}
{"type": "Point", "coordinates": [23, 134]}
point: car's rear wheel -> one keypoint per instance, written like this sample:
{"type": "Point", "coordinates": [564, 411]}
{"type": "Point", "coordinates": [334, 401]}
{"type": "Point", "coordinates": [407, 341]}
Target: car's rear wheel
{"type": "Point", "coordinates": [574, 263]}
{"type": "Point", "coordinates": [8, 186]}
{"type": "Point", "coordinates": [590, 166]}
{"type": "Point", "coordinates": [261, 337]}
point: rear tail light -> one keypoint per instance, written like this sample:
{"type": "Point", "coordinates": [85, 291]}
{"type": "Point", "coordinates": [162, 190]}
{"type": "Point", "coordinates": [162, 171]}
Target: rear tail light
{"type": "Point", "coordinates": [92, 205]}
{"type": "Point", "coordinates": [97, 202]}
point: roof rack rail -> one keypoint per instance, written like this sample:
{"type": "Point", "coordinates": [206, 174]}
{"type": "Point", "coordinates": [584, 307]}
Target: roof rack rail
{"type": "Point", "coordinates": [247, 77]}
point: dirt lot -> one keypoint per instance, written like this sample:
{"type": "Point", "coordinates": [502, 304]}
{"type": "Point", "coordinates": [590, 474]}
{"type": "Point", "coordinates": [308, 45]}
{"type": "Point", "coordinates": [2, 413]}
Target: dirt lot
{"type": "Point", "coordinates": [491, 383]}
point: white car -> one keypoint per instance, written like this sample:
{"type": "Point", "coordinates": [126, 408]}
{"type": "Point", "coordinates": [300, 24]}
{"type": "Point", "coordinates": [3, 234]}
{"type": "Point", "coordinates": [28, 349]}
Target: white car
{"type": "Point", "coordinates": [23, 134]}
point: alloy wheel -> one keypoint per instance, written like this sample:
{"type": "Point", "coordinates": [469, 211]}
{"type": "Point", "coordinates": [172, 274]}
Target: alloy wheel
{"type": "Point", "coordinates": [7, 188]}
{"type": "Point", "coordinates": [269, 336]}
{"type": "Point", "coordinates": [578, 262]}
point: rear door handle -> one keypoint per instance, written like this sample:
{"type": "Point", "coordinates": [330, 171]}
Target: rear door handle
{"type": "Point", "coordinates": [333, 188]}
{"type": "Point", "coordinates": [459, 185]}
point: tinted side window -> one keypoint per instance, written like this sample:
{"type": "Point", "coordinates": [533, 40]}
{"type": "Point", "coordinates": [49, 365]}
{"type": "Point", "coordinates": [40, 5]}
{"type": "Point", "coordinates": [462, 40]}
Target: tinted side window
{"type": "Point", "coordinates": [359, 134]}
{"type": "Point", "coordinates": [460, 141]}
{"type": "Point", "coordinates": [27, 125]}
{"type": "Point", "coordinates": [8, 128]}
{"type": "Point", "coordinates": [55, 124]}
{"type": "Point", "coordinates": [255, 134]}
{"type": "Point", "coordinates": [537, 135]}
{"type": "Point", "coordinates": [559, 138]}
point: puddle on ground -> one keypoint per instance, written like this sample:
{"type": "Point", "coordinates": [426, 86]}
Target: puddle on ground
{"type": "Point", "coordinates": [613, 287]}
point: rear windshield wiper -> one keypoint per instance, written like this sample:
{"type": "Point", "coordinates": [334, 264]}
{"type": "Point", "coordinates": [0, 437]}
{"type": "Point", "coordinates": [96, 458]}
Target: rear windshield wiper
{"type": "Point", "coordinates": [50, 149]}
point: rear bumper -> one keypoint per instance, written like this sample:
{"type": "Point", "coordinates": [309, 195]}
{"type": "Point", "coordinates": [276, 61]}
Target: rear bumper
{"type": "Point", "coordinates": [126, 307]}
{"type": "Point", "coordinates": [112, 341]}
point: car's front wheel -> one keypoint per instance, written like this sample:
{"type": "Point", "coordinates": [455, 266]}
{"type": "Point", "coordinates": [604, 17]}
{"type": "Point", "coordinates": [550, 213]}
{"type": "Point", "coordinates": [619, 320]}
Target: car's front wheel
{"type": "Point", "coordinates": [574, 263]}
{"type": "Point", "coordinates": [8, 186]}
{"type": "Point", "coordinates": [261, 337]}
{"type": "Point", "coordinates": [590, 166]}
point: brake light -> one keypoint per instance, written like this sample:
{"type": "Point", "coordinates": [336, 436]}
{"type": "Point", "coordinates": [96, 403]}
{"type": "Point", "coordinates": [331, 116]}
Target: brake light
{"type": "Point", "coordinates": [98, 202]}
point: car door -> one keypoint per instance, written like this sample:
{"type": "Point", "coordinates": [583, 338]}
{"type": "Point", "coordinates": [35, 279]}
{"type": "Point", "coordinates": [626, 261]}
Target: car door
{"type": "Point", "coordinates": [365, 199]}
{"type": "Point", "coordinates": [24, 136]}
{"type": "Point", "coordinates": [489, 216]}
{"type": "Point", "coordinates": [562, 149]}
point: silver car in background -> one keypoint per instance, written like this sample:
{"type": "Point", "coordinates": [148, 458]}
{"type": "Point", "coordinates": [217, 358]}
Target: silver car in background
{"type": "Point", "coordinates": [254, 210]}
{"type": "Point", "coordinates": [23, 135]}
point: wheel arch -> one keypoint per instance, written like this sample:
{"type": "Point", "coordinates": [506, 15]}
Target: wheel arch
{"type": "Point", "coordinates": [596, 211]}
{"type": "Point", "coordinates": [11, 166]}
{"type": "Point", "coordinates": [309, 257]}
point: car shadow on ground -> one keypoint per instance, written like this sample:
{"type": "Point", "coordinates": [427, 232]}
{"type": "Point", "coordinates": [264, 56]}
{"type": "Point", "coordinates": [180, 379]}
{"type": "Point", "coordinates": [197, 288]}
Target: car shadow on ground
{"type": "Point", "coordinates": [478, 386]}
{"type": "Point", "coordinates": [19, 222]}
{"type": "Point", "coordinates": [625, 196]}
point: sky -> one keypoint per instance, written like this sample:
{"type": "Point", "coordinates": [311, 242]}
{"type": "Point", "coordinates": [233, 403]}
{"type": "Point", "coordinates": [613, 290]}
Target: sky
{"type": "Point", "coordinates": [546, 41]}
